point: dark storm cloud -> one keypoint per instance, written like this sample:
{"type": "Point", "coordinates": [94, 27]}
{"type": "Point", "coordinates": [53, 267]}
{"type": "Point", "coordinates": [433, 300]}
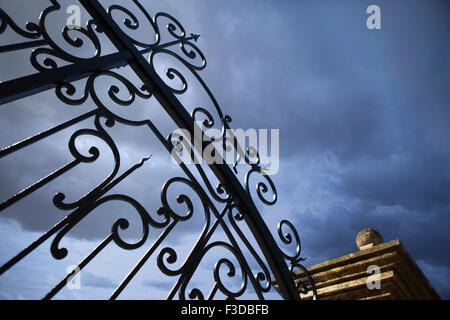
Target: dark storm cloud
{"type": "Point", "coordinates": [412, 180]}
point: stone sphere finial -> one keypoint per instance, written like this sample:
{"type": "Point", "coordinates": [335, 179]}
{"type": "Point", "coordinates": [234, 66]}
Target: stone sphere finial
{"type": "Point", "coordinates": [368, 238]}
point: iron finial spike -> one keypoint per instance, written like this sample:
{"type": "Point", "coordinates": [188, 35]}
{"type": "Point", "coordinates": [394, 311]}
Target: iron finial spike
{"type": "Point", "coordinates": [195, 36]}
{"type": "Point", "coordinates": [145, 159]}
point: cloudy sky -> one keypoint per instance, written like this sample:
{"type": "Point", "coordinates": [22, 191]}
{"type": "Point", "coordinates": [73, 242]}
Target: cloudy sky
{"type": "Point", "coordinates": [364, 136]}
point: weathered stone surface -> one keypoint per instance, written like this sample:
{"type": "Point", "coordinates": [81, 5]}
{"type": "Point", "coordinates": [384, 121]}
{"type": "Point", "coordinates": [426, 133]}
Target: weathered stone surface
{"type": "Point", "coordinates": [347, 277]}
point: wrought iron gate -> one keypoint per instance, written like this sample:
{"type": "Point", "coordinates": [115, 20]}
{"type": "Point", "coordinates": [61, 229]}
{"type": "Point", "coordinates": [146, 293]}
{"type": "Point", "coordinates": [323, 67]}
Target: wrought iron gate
{"type": "Point", "coordinates": [58, 70]}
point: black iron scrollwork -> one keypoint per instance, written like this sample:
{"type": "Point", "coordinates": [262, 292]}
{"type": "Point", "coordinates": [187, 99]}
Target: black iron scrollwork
{"type": "Point", "coordinates": [32, 29]}
{"type": "Point", "coordinates": [305, 282]}
{"type": "Point", "coordinates": [288, 238]}
{"type": "Point", "coordinates": [226, 206]}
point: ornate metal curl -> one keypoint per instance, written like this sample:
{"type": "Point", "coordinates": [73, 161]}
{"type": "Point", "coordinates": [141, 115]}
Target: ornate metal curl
{"type": "Point", "coordinates": [219, 285]}
{"type": "Point", "coordinates": [261, 276]}
{"type": "Point", "coordinates": [167, 254]}
{"type": "Point", "coordinates": [292, 237]}
{"type": "Point", "coordinates": [32, 29]}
